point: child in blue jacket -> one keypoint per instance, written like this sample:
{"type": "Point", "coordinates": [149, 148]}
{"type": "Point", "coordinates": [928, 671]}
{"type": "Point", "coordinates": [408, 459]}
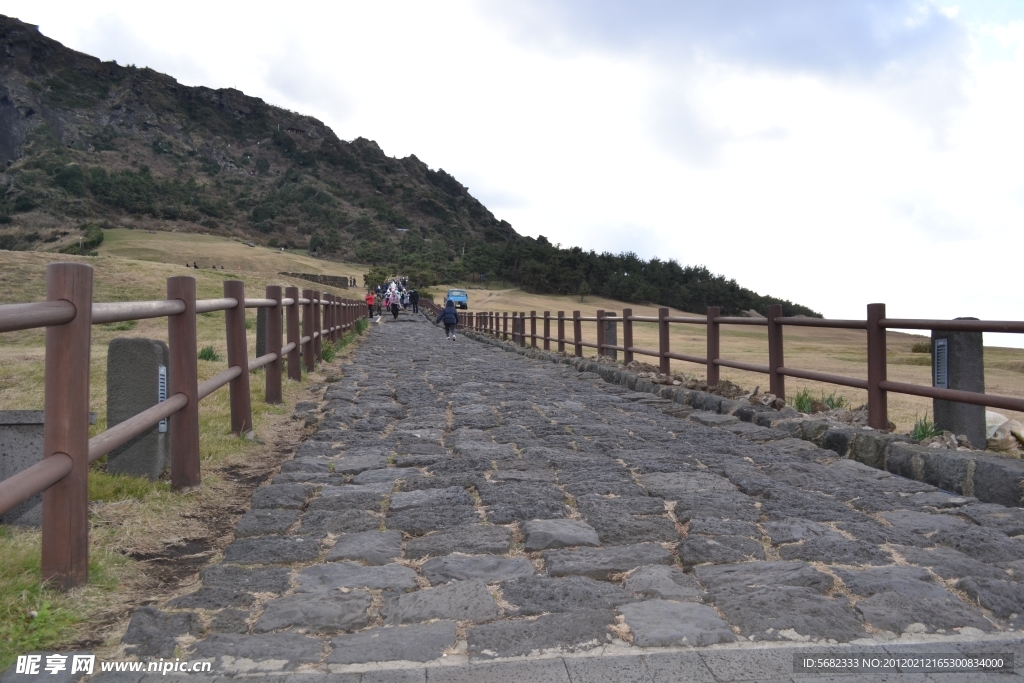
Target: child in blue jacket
{"type": "Point", "coordinates": [450, 317]}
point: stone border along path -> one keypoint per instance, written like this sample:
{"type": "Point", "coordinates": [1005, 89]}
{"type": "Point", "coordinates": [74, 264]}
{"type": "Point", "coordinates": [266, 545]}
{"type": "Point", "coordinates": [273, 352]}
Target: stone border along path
{"type": "Point", "coordinates": [459, 507]}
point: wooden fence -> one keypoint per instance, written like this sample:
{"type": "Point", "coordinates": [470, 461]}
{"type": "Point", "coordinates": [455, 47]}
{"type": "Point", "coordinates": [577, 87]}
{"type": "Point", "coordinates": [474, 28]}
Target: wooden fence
{"type": "Point", "coordinates": [68, 315]}
{"type": "Point", "coordinates": [875, 324]}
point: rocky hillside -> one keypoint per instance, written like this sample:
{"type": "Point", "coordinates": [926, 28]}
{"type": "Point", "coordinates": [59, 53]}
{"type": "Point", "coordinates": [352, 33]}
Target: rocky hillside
{"type": "Point", "coordinates": [86, 142]}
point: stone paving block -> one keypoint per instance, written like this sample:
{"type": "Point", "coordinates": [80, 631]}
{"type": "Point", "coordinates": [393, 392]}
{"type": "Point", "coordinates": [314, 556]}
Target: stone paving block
{"type": "Point", "coordinates": [474, 539]}
{"type": "Point", "coordinates": [739, 578]}
{"type": "Point", "coordinates": [570, 632]}
{"type": "Point", "coordinates": [789, 613]}
{"type": "Point", "coordinates": [520, 501]}
{"type": "Point", "coordinates": [421, 520]}
{"type": "Point", "coordinates": [673, 667]}
{"type": "Point", "coordinates": [949, 563]}
{"type": "Point", "coordinates": [487, 568]}
{"type": "Point", "coordinates": [273, 550]}
{"type": "Point", "coordinates": [719, 550]}
{"type": "Point", "coordinates": [535, 595]}
{"type": "Point", "coordinates": [452, 495]}
{"type": "Point", "coordinates": [760, 665]}
{"type": "Point", "coordinates": [659, 623]}
{"type": "Point", "coordinates": [267, 652]}
{"type": "Point", "coordinates": [599, 506]}
{"type": "Point", "coordinates": [544, 534]}
{"type": "Point", "coordinates": [835, 549]}
{"type": "Point", "coordinates": [320, 478]}
{"type": "Point", "coordinates": [712, 419]}
{"type": "Point", "coordinates": [286, 496]}
{"type": "Point", "coordinates": [897, 612]}
{"type": "Point", "coordinates": [608, 669]}
{"type": "Point", "coordinates": [371, 547]}
{"type": "Point", "coordinates": [459, 600]}
{"type": "Point", "coordinates": [328, 577]}
{"type": "Point", "coordinates": [388, 474]}
{"type": "Point", "coordinates": [662, 581]}
{"type": "Point", "coordinates": [152, 633]}
{"type": "Point", "coordinates": [1003, 598]}
{"type": "Point", "coordinates": [392, 676]}
{"type": "Point", "coordinates": [265, 522]}
{"type": "Point", "coordinates": [537, 671]}
{"type": "Point", "coordinates": [351, 497]}
{"type": "Point", "coordinates": [254, 580]}
{"type": "Point", "coordinates": [598, 563]}
{"type": "Point", "coordinates": [319, 612]}
{"type": "Point", "coordinates": [721, 504]}
{"type": "Point", "coordinates": [721, 527]}
{"type": "Point", "coordinates": [338, 522]}
{"type": "Point", "coordinates": [415, 643]}
{"type": "Point", "coordinates": [986, 545]}
{"type": "Point", "coordinates": [629, 529]}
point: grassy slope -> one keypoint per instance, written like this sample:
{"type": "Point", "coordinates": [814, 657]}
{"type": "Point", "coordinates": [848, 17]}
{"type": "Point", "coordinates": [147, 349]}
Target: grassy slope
{"type": "Point", "coordinates": [842, 352]}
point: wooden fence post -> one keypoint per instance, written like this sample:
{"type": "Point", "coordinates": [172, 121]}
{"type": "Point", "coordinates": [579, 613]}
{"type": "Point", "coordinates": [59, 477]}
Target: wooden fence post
{"type": "Point", "coordinates": [776, 380]}
{"type": "Point", "coordinates": [663, 342]}
{"type": "Point", "coordinates": [65, 553]}
{"type": "Point", "coordinates": [182, 378]}
{"type": "Point", "coordinates": [292, 325]}
{"type": "Point", "coordinates": [561, 331]}
{"type": "Point", "coordinates": [274, 344]}
{"type": "Point", "coordinates": [577, 333]}
{"type": "Point", "coordinates": [713, 346]}
{"type": "Point", "coordinates": [878, 398]}
{"type": "Point", "coordinates": [504, 326]}
{"type": "Point", "coordinates": [522, 328]}
{"type": "Point", "coordinates": [318, 341]}
{"type": "Point", "coordinates": [307, 330]}
{"type": "Point", "coordinates": [533, 329]}
{"type": "Point", "coordinates": [238, 355]}
{"type": "Point", "coordinates": [547, 330]}
{"type": "Point", "coordinates": [627, 336]}
{"type": "Point", "coordinates": [600, 333]}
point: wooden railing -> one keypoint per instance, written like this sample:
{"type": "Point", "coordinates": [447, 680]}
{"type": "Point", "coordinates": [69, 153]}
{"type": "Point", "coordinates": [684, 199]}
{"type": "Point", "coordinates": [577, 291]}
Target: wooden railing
{"type": "Point", "coordinates": [875, 324]}
{"type": "Point", "coordinates": [68, 315]}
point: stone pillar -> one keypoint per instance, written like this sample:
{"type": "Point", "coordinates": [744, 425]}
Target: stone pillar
{"type": "Point", "coordinates": [133, 385]}
{"type": "Point", "coordinates": [261, 332]}
{"type": "Point", "coordinates": [21, 446]}
{"type": "Point", "coordinates": [611, 335]}
{"type": "Point", "coordinates": [958, 362]}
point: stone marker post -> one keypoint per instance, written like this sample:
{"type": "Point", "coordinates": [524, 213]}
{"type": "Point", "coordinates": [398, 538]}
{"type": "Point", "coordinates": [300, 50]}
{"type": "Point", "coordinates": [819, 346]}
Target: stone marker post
{"type": "Point", "coordinates": [21, 446]}
{"type": "Point", "coordinates": [611, 335]}
{"type": "Point", "coordinates": [958, 362]}
{"type": "Point", "coordinates": [136, 378]}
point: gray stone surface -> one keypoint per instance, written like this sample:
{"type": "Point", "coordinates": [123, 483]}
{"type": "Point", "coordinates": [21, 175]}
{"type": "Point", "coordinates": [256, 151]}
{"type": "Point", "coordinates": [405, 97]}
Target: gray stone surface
{"type": "Point", "coordinates": [152, 633]}
{"type": "Point", "coordinates": [254, 580]}
{"type": "Point", "coordinates": [320, 612]}
{"type": "Point", "coordinates": [273, 550]}
{"type": "Point", "coordinates": [21, 446]}
{"type": "Point", "coordinates": [336, 575]}
{"type": "Point", "coordinates": [471, 539]}
{"type": "Point", "coordinates": [269, 652]}
{"type": "Point", "coordinates": [230, 621]}
{"type": "Point", "coordinates": [133, 369]}
{"type": "Point", "coordinates": [659, 623]}
{"type": "Point", "coordinates": [662, 581]}
{"type": "Point", "coordinates": [545, 534]}
{"type": "Point", "coordinates": [338, 521]}
{"type": "Point", "coordinates": [371, 547]}
{"type": "Point", "coordinates": [569, 632]}
{"type": "Point", "coordinates": [414, 643]}
{"type": "Point", "coordinates": [719, 550]}
{"type": "Point", "coordinates": [540, 594]}
{"type": "Point", "coordinates": [789, 613]}
{"type": "Point", "coordinates": [459, 600]}
{"type": "Point", "coordinates": [265, 522]}
{"type": "Point", "coordinates": [286, 496]}
{"type": "Point", "coordinates": [487, 568]}
{"type": "Point", "coordinates": [599, 563]}
{"type": "Point", "coordinates": [965, 370]}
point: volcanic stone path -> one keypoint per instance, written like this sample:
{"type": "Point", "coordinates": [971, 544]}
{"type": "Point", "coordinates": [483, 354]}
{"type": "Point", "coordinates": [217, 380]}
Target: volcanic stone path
{"type": "Point", "coordinates": [459, 504]}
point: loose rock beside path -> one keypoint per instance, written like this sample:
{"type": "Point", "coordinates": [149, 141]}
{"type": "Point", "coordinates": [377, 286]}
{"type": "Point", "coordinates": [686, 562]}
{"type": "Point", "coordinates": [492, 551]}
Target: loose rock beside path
{"type": "Point", "coordinates": [460, 504]}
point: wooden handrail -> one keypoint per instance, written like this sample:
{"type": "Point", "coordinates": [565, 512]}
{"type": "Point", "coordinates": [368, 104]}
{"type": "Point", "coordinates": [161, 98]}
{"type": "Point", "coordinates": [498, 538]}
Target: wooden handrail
{"type": "Point", "coordinates": [217, 381]}
{"type": "Point", "coordinates": [18, 488]}
{"type": "Point", "coordinates": [123, 432]}
{"type": "Point", "coordinates": [135, 310]}
{"type": "Point", "coordinates": [15, 317]}
{"type": "Point", "coordinates": [211, 305]}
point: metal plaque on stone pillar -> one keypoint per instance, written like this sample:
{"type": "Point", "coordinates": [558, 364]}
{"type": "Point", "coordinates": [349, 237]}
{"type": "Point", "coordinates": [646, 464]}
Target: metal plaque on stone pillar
{"type": "Point", "coordinates": [958, 362]}
{"type": "Point", "coordinates": [611, 335]}
{"type": "Point", "coordinates": [135, 368]}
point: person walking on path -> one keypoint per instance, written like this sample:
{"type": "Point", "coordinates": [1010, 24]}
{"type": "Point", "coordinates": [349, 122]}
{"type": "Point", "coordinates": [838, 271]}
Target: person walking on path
{"type": "Point", "coordinates": [451, 319]}
{"type": "Point", "coordinates": [414, 299]}
{"type": "Point", "coordinates": [369, 304]}
{"type": "Point", "coordinates": [393, 302]}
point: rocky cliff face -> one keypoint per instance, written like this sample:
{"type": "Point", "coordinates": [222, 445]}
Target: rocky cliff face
{"type": "Point", "coordinates": [85, 141]}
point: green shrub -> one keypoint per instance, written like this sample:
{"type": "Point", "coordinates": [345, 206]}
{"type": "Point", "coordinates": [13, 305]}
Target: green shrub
{"type": "Point", "coordinates": [208, 353]}
{"type": "Point", "coordinates": [921, 347]}
{"type": "Point", "coordinates": [806, 402]}
{"type": "Point", "coordinates": [71, 178]}
{"type": "Point", "coordinates": [328, 352]}
{"type": "Point", "coordinates": [803, 400]}
{"type": "Point", "coordinates": [924, 428]}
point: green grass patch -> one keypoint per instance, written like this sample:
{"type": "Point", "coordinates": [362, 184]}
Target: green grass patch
{"type": "Point", "coordinates": [34, 615]}
{"type": "Point", "coordinates": [806, 402]}
{"type": "Point", "coordinates": [208, 353]}
{"type": "Point", "coordinates": [924, 428]}
{"type": "Point", "coordinates": [113, 487]}
{"type": "Point", "coordinates": [921, 347]}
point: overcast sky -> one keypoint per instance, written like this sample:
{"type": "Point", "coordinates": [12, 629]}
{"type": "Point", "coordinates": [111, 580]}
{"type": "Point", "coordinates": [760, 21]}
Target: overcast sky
{"type": "Point", "coordinates": [832, 152]}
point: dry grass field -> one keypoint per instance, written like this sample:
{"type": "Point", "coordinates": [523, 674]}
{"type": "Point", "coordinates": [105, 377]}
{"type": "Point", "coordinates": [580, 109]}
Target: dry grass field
{"type": "Point", "coordinates": [842, 352]}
